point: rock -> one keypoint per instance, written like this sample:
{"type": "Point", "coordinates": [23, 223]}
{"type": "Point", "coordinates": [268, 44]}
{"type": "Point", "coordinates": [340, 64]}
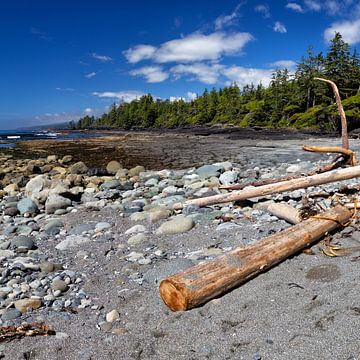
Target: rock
{"type": "Point", "coordinates": [51, 158]}
{"type": "Point", "coordinates": [112, 316]}
{"type": "Point", "coordinates": [11, 189]}
{"type": "Point", "coordinates": [55, 202]}
{"type": "Point", "coordinates": [48, 267]}
{"type": "Point", "coordinates": [228, 226]}
{"type": "Point", "coordinates": [11, 211]}
{"type": "Point", "coordinates": [23, 241]}
{"type": "Point", "coordinates": [37, 184]}
{"type": "Point", "coordinates": [26, 205]}
{"type": "Point", "coordinates": [82, 228]}
{"type": "Point", "coordinates": [177, 225]}
{"type": "Point", "coordinates": [135, 171]}
{"type": "Point", "coordinates": [293, 169]}
{"type": "Point", "coordinates": [60, 285]}
{"type": "Point", "coordinates": [101, 226]}
{"type": "Point", "coordinates": [121, 173]}
{"type": "Point", "coordinates": [110, 184]}
{"type": "Point", "coordinates": [207, 171]}
{"type": "Point", "coordinates": [78, 168]}
{"type": "Point", "coordinates": [137, 239]}
{"type": "Point", "coordinates": [71, 241]}
{"type": "Point", "coordinates": [10, 314]}
{"type": "Point", "coordinates": [134, 256]}
{"type": "Point", "coordinates": [24, 304]}
{"type": "Point", "coordinates": [151, 182]}
{"type": "Point", "coordinates": [158, 213]}
{"type": "Point", "coordinates": [228, 177]}
{"type": "Point", "coordinates": [58, 169]}
{"type": "Point", "coordinates": [66, 159]}
{"type": "Point", "coordinates": [226, 165]}
{"type": "Point", "coordinates": [136, 229]}
{"type": "Point", "coordinates": [53, 227]}
{"type": "Point", "coordinates": [113, 167]}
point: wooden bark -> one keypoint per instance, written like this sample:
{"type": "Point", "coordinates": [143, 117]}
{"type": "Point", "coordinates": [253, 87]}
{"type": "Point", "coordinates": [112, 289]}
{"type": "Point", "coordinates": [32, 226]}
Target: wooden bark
{"type": "Point", "coordinates": [285, 212]}
{"type": "Point", "coordinates": [248, 193]}
{"type": "Point", "coordinates": [203, 282]}
{"type": "Point", "coordinates": [344, 132]}
{"type": "Point", "coordinates": [348, 154]}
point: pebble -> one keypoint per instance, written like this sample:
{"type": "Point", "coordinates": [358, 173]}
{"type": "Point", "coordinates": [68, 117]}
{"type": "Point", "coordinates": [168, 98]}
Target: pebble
{"type": "Point", "coordinates": [24, 304]}
{"type": "Point", "coordinates": [136, 229]}
{"type": "Point", "coordinates": [112, 316]}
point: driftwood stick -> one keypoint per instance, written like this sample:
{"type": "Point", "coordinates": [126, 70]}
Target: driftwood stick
{"type": "Point", "coordinates": [203, 282]}
{"type": "Point", "coordinates": [248, 193]}
{"type": "Point", "coordinates": [285, 212]}
{"type": "Point", "coordinates": [344, 132]}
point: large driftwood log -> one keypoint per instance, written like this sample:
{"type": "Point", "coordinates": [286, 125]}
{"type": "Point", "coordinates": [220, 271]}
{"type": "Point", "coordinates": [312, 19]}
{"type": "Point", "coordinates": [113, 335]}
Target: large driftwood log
{"type": "Point", "coordinates": [203, 282]}
{"type": "Point", "coordinates": [248, 193]}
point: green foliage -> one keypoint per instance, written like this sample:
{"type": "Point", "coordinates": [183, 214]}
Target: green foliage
{"type": "Point", "coordinates": [291, 100]}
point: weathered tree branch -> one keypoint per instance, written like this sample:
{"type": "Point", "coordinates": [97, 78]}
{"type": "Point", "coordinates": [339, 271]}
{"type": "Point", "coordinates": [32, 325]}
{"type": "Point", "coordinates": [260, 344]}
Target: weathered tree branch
{"type": "Point", "coordinates": [344, 132]}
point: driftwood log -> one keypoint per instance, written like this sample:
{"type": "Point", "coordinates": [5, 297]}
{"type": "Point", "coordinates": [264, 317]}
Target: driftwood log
{"type": "Point", "coordinates": [301, 183]}
{"type": "Point", "coordinates": [203, 282]}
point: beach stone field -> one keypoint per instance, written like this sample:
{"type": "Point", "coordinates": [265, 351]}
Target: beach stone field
{"type": "Point", "coordinates": [84, 246]}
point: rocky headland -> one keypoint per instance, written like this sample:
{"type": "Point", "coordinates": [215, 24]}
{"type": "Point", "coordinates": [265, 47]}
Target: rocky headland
{"type": "Point", "coordinates": [84, 245]}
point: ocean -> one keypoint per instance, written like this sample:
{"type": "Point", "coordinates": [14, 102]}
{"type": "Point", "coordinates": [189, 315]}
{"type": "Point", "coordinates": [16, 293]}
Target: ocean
{"type": "Point", "coordinates": [8, 138]}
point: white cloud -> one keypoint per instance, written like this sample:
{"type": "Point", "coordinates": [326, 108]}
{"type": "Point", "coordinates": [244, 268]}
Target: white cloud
{"type": "Point", "coordinates": [152, 74]}
{"type": "Point", "coordinates": [90, 75]}
{"type": "Point", "coordinates": [350, 31]}
{"type": "Point", "coordinates": [288, 64]}
{"type": "Point", "coordinates": [125, 96]}
{"type": "Point", "coordinates": [264, 10]}
{"type": "Point", "coordinates": [313, 5]}
{"type": "Point", "coordinates": [88, 111]}
{"type": "Point", "coordinates": [227, 20]}
{"type": "Point", "coordinates": [176, 98]}
{"type": "Point", "coordinates": [139, 52]}
{"type": "Point", "coordinates": [102, 58]}
{"type": "Point", "coordinates": [192, 48]}
{"type": "Point", "coordinates": [294, 6]}
{"type": "Point", "coordinates": [279, 27]}
{"type": "Point", "coordinates": [191, 95]}
{"type": "Point", "coordinates": [207, 74]}
{"type": "Point", "coordinates": [246, 76]}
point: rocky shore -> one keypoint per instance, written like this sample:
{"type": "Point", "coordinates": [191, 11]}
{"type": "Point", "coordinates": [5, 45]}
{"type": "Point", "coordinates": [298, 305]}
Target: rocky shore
{"type": "Point", "coordinates": [83, 249]}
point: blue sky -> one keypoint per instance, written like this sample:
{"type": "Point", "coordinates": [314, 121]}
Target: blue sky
{"type": "Point", "coordinates": [62, 59]}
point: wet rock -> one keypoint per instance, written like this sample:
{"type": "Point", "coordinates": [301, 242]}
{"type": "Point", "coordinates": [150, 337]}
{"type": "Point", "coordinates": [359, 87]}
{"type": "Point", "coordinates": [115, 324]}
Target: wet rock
{"type": "Point", "coordinates": [177, 225]}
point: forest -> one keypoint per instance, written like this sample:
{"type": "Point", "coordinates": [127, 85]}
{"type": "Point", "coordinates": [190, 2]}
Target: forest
{"type": "Point", "coordinates": [293, 100]}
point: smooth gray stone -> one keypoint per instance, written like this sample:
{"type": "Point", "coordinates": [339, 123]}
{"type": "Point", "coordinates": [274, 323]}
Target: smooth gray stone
{"type": "Point", "coordinates": [26, 205]}
{"type": "Point", "coordinates": [23, 241]}
{"type": "Point", "coordinates": [10, 314]}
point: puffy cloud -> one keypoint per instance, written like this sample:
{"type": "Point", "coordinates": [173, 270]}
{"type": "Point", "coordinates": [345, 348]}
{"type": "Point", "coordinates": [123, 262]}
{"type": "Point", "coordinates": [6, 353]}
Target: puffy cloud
{"type": "Point", "coordinates": [264, 10]}
{"type": "Point", "coordinates": [139, 52]}
{"type": "Point", "coordinates": [191, 95]}
{"type": "Point", "coordinates": [192, 48]}
{"type": "Point", "coordinates": [245, 76]}
{"type": "Point", "coordinates": [279, 27]}
{"type": "Point", "coordinates": [176, 98]}
{"type": "Point", "coordinates": [350, 31]}
{"type": "Point", "coordinates": [152, 74]}
{"type": "Point", "coordinates": [90, 75]}
{"type": "Point", "coordinates": [227, 20]}
{"type": "Point", "coordinates": [294, 6]}
{"type": "Point", "coordinates": [102, 58]}
{"type": "Point", "coordinates": [207, 74]}
{"type": "Point", "coordinates": [126, 96]}
{"type": "Point", "coordinates": [88, 111]}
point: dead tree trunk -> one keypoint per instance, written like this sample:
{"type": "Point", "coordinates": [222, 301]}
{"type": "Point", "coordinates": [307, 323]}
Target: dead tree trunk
{"type": "Point", "coordinates": [344, 132]}
{"type": "Point", "coordinates": [248, 193]}
{"type": "Point", "coordinates": [203, 282]}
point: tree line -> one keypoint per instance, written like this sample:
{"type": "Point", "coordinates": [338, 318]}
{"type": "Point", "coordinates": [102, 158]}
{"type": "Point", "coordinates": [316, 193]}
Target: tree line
{"type": "Point", "coordinates": [291, 100]}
